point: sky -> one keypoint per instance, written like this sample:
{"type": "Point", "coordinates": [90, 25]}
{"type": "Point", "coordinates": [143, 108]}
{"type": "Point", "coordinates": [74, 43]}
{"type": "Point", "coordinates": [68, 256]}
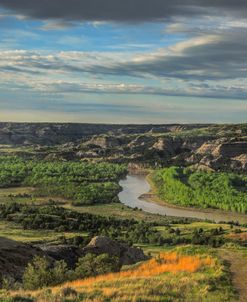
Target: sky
{"type": "Point", "coordinates": [131, 61]}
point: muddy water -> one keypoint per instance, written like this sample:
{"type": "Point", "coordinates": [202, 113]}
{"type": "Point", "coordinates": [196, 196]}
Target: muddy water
{"type": "Point", "coordinates": [136, 185]}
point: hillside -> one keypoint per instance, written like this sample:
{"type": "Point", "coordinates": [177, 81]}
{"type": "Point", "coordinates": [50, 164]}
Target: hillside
{"type": "Point", "coordinates": [218, 147]}
{"type": "Point", "coordinates": [171, 276]}
{"type": "Point", "coordinates": [55, 133]}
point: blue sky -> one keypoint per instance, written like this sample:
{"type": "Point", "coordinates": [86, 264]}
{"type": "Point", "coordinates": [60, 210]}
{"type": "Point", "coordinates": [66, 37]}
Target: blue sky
{"type": "Point", "coordinates": [121, 68]}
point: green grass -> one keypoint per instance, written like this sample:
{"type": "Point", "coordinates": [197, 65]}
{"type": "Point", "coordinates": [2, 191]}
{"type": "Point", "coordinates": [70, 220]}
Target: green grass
{"type": "Point", "coordinates": [13, 149]}
{"type": "Point", "coordinates": [15, 232]}
{"type": "Point", "coordinates": [115, 209]}
{"type": "Point", "coordinates": [10, 195]}
{"type": "Point", "coordinates": [187, 230]}
{"type": "Point", "coordinates": [121, 211]}
{"type": "Point", "coordinates": [203, 225]}
{"type": "Point", "coordinates": [154, 250]}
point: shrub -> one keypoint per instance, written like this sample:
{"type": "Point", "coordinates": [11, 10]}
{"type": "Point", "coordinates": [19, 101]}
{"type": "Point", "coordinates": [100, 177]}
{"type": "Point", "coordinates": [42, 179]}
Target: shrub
{"type": "Point", "coordinates": [39, 273]}
{"type": "Point", "coordinates": [92, 265]}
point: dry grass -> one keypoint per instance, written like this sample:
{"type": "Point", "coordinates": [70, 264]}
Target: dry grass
{"type": "Point", "coordinates": [164, 263]}
{"type": "Point", "coordinates": [145, 282]}
{"type": "Point", "coordinates": [238, 236]}
{"type": "Point", "coordinates": [170, 277]}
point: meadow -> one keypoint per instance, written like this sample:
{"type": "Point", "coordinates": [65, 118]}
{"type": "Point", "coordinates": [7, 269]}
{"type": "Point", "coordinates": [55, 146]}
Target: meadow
{"type": "Point", "coordinates": [15, 232]}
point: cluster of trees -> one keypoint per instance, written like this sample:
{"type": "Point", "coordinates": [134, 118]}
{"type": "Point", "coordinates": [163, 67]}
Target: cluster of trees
{"type": "Point", "coordinates": [212, 239]}
{"type": "Point", "coordinates": [84, 183]}
{"type": "Point", "coordinates": [40, 273]}
{"type": "Point", "coordinates": [226, 191]}
{"type": "Point", "coordinates": [128, 230]}
{"type": "Point", "coordinates": [61, 220]}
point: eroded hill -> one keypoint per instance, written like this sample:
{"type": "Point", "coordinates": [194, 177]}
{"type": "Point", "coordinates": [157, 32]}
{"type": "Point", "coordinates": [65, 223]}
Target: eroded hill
{"type": "Point", "coordinates": [217, 147]}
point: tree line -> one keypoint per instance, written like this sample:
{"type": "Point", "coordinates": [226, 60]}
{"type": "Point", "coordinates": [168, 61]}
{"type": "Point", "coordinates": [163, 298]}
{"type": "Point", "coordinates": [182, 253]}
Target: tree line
{"type": "Point", "coordinates": [219, 190]}
{"type": "Point", "coordinates": [83, 183]}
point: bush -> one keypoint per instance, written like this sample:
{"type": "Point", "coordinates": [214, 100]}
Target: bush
{"type": "Point", "coordinates": [39, 273]}
{"type": "Point", "coordinates": [92, 265]}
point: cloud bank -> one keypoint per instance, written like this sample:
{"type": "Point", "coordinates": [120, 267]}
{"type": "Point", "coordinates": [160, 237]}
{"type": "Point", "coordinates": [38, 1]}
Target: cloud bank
{"type": "Point", "coordinates": [122, 11]}
{"type": "Point", "coordinates": [201, 52]}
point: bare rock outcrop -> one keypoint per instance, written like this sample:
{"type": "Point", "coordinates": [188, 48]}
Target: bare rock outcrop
{"type": "Point", "coordinates": [137, 168]}
{"type": "Point", "coordinates": [67, 253]}
{"type": "Point", "coordinates": [98, 245]}
{"type": "Point", "coordinates": [104, 142]}
{"type": "Point", "coordinates": [207, 148]}
{"type": "Point", "coordinates": [165, 145]}
{"type": "Point", "coordinates": [126, 254]}
{"type": "Point", "coordinates": [240, 162]}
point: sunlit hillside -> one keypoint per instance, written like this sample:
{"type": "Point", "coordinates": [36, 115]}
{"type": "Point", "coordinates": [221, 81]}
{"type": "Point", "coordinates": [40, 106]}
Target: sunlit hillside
{"type": "Point", "coordinates": [171, 276]}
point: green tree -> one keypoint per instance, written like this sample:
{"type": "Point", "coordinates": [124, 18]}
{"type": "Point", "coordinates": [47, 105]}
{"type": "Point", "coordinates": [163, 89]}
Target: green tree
{"type": "Point", "coordinates": [37, 274]}
{"type": "Point", "coordinates": [92, 265]}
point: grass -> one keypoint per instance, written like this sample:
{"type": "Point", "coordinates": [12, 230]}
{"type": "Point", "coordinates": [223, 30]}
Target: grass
{"type": "Point", "coordinates": [11, 195]}
{"type": "Point", "coordinates": [186, 230]}
{"type": "Point", "coordinates": [172, 276]}
{"type": "Point", "coordinates": [116, 210]}
{"type": "Point", "coordinates": [13, 149]}
{"type": "Point", "coordinates": [15, 232]}
{"type": "Point", "coordinates": [237, 260]}
{"type": "Point", "coordinates": [154, 250]}
{"type": "Point", "coordinates": [27, 195]}
{"type": "Point", "coordinates": [206, 226]}
{"type": "Point", "coordinates": [121, 211]}
{"type": "Point", "coordinates": [241, 237]}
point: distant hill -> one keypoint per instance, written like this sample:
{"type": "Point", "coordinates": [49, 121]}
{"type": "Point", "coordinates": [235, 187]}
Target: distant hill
{"type": "Point", "coordinates": [213, 146]}
{"type": "Point", "coordinates": [59, 133]}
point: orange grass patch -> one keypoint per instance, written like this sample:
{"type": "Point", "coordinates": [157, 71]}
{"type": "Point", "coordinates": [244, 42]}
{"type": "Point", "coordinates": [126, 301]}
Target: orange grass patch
{"type": "Point", "coordinates": [170, 262]}
{"type": "Point", "coordinates": [240, 236]}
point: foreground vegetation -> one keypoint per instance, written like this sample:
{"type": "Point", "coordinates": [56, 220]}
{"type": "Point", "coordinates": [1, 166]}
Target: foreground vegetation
{"type": "Point", "coordinates": [180, 275]}
{"type": "Point", "coordinates": [39, 273]}
{"type": "Point", "coordinates": [183, 186]}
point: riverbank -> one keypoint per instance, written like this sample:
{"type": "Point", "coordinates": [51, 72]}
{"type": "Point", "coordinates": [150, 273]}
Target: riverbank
{"type": "Point", "coordinates": [152, 197]}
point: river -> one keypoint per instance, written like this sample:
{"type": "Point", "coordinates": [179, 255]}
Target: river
{"type": "Point", "coordinates": [136, 185]}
